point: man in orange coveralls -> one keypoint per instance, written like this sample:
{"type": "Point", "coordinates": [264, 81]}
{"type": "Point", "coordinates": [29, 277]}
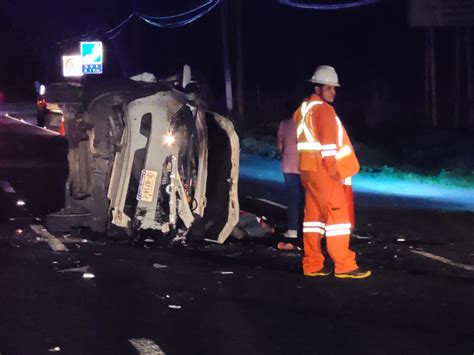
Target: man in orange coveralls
{"type": "Point", "coordinates": [327, 162]}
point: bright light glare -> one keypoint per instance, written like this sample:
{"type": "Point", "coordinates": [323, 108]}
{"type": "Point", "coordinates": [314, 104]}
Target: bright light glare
{"type": "Point", "coordinates": [383, 184]}
{"type": "Point", "coordinates": [169, 140]}
{"type": "Point", "coordinates": [42, 90]}
{"type": "Point", "coordinates": [20, 203]}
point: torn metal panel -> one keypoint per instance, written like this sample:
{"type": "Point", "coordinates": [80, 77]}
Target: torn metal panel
{"type": "Point", "coordinates": [233, 207]}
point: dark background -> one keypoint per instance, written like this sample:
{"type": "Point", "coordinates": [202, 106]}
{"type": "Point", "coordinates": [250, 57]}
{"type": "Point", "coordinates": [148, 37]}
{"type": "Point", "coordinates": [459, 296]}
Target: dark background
{"type": "Point", "coordinates": [379, 57]}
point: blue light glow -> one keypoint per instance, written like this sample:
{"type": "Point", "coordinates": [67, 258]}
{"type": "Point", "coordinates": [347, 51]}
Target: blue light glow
{"type": "Point", "coordinates": [380, 184]}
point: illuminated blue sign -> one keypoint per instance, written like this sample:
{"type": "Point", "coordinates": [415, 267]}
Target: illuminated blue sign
{"type": "Point", "coordinates": [92, 56]}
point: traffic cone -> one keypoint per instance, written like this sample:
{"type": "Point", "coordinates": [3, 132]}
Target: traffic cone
{"type": "Point", "coordinates": [62, 131]}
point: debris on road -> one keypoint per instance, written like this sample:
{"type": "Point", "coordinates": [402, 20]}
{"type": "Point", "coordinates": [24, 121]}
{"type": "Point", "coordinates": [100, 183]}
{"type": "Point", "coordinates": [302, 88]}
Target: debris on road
{"type": "Point", "coordinates": [251, 226]}
{"type": "Point", "coordinates": [84, 268]}
{"type": "Point", "coordinates": [53, 242]}
{"type": "Point", "coordinates": [360, 237]}
{"type": "Point", "coordinates": [287, 246]}
{"type": "Point", "coordinates": [159, 266]}
{"type": "Point", "coordinates": [146, 346]}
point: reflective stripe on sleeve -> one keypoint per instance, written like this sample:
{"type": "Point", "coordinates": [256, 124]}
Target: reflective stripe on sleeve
{"type": "Point", "coordinates": [343, 152]}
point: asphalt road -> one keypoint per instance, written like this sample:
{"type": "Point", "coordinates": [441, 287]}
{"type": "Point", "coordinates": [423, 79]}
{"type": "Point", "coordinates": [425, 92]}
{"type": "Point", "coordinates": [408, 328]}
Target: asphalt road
{"type": "Point", "coordinates": [244, 297]}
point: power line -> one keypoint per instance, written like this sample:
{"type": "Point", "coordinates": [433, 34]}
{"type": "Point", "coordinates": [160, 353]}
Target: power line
{"type": "Point", "coordinates": [164, 22]}
{"type": "Point", "coordinates": [326, 7]}
{"type": "Point", "coordinates": [169, 21]}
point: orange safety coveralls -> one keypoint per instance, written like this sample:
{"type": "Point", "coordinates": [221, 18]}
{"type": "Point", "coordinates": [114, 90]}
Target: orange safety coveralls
{"type": "Point", "coordinates": [327, 162]}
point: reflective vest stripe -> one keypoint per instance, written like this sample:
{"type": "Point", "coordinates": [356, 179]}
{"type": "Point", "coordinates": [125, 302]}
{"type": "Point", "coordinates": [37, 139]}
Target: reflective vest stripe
{"type": "Point", "coordinates": [303, 127]}
{"type": "Point", "coordinates": [329, 147]}
{"type": "Point", "coordinates": [339, 131]}
{"type": "Point", "coordinates": [309, 146]}
{"type": "Point", "coordinates": [329, 153]}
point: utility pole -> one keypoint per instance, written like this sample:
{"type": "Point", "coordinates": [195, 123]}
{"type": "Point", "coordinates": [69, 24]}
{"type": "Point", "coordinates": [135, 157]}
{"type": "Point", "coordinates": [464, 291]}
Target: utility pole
{"type": "Point", "coordinates": [137, 40]}
{"type": "Point", "coordinates": [226, 56]}
{"type": "Point", "coordinates": [457, 80]}
{"type": "Point", "coordinates": [470, 98]}
{"type": "Point", "coordinates": [240, 65]}
{"type": "Point", "coordinates": [427, 78]}
{"type": "Point", "coordinates": [432, 76]}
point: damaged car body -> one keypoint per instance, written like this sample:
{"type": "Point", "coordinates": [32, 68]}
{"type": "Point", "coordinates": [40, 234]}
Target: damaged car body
{"type": "Point", "coordinates": [147, 156]}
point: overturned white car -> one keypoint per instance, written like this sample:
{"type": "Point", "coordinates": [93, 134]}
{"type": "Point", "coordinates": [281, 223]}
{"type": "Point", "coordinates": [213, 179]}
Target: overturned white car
{"type": "Point", "coordinates": [147, 156]}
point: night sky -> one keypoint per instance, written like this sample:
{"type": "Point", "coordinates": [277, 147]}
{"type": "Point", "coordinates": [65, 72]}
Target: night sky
{"type": "Point", "coordinates": [372, 47]}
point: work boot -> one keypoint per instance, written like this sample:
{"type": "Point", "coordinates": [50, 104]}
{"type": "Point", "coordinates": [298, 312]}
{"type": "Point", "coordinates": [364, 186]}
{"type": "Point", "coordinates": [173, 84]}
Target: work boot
{"type": "Point", "coordinates": [358, 273]}
{"type": "Point", "coordinates": [325, 271]}
{"type": "Point", "coordinates": [291, 233]}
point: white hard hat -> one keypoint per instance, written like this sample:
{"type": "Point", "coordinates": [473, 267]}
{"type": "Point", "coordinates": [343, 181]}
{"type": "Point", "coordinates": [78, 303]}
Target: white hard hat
{"type": "Point", "coordinates": [326, 75]}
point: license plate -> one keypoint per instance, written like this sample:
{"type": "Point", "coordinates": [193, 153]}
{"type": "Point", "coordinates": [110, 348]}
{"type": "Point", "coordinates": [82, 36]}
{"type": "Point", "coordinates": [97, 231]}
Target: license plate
{"type": "Point", "coordinates": [147, 185]}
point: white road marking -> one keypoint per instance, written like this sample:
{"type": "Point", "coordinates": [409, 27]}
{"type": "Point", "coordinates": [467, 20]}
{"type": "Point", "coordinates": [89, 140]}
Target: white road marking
{"type": "Point", "coordinates": [146, 347]}
{"type": "Point", "coordinates": [443, 260]}
{"type": "Point", "coordinates": [269, 202]}
{"type": "Point", "coordinates": [29, 124]}
{"type": "Point", "coordinates": [53, 242]}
